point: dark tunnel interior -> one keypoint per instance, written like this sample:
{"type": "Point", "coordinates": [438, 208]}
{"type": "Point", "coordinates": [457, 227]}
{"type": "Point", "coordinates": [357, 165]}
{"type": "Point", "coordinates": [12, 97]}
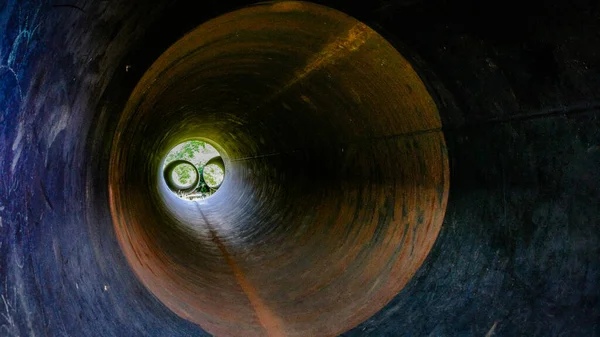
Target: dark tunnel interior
{"type": "Point", "coordinates": [393, 168]}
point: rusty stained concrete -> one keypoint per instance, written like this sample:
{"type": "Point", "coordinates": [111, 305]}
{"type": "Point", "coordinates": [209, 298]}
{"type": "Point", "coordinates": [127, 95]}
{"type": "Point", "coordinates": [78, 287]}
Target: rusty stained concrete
{"type": "Point", "coordinates": [516, 88]}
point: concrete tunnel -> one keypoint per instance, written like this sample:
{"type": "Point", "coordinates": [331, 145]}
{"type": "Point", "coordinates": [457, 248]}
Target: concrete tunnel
{"type": "Point", "coordinates": [393, 168]}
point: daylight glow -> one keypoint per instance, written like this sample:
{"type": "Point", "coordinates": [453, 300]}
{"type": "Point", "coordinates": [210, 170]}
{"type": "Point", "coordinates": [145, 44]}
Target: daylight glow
{"type": "Point", "coordinates": [198, 153]}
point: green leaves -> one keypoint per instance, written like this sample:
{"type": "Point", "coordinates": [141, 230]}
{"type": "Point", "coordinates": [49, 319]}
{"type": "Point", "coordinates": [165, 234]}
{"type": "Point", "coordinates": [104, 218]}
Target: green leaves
{"type": "Point", "coordinates": [184, 174]}
{"type": "Point", "coordinates": [213, 175]}
{"type": "Point", "coordinates": [186, 151]}
{"type": "Point", "coordinates": [198, 153]}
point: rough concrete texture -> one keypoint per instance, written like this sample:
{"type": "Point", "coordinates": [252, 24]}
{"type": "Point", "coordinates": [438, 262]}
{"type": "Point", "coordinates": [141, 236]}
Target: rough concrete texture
{"type": "Point", "coordinates": [516, 88]}
{"type": "Point", "coordinates": [313, 231]}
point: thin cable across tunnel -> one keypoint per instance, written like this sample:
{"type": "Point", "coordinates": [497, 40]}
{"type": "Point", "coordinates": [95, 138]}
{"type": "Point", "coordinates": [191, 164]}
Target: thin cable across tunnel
{"type": "Point", "coordinates": [336, 183]}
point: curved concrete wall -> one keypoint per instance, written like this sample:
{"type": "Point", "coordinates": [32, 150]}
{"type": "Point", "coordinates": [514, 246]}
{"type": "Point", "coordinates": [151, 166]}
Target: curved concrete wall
{"type": "Point", "coordinates": [516, 89]}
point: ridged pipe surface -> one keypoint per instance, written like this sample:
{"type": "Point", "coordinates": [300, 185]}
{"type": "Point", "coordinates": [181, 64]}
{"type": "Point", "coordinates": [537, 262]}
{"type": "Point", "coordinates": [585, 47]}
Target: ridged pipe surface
{"type": "Point", "coordinates": [311, 168]}
{"type": "Point", "coordinates": [337, 173]}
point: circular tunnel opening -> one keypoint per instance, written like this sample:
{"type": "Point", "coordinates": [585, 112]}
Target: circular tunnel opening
{"type": "Point", "coordinates": [181, 176]}
{"type": "Point", "coordinates": [194, 169]}
{"type": "Point", "coordinates": [281, 249]}
{"type": "Point", "coordinates": [213, 173]}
